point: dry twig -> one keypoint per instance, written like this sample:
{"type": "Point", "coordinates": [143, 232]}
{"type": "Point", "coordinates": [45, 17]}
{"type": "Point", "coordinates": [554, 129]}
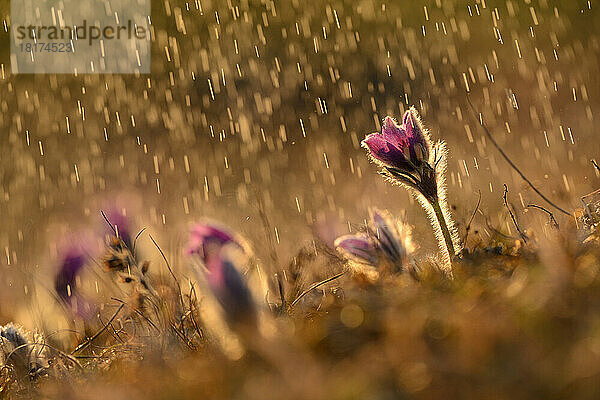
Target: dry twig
{"type": "Point", "coordinates": [511, 163]}
{"type": "Point", "coordinates": [90, 340]}
{"type": "Point", "coordinates": [512, 215]}
{"type": "Point", "coordinates": [468, 227]}
{"type": "Point", "coordinates": [551, 216]}
{"type": "Point", "coordinates": [314, 286]}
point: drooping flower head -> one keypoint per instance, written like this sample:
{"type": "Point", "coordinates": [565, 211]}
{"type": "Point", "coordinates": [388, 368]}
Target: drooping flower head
{"type": "Point", "coordinates": [216, 248]}
{"type": "Point", "coordinates": [405, 153]}
{"type": "Point", "coordinates": [72, 258]}
{"type": "Point", "coordinates": [386, 243]}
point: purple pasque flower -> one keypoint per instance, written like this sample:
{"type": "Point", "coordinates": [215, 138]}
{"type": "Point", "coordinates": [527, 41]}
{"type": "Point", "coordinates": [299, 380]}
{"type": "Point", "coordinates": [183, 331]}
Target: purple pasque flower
{"type": "Point", "coordinates": [402, 146]}
{"type": "Point", "coordinates": [208, 238]}
{"type": "Point", "coordinates": [214, 246]}
{"type": "Point", "coordinates": [385, 240]}
{"type": "Point", "coordinates": [405, 153]}
{"type": "Point", "coordinates": [73, 259]}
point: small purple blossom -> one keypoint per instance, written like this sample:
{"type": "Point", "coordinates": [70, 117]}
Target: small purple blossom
{"type": "Point", "coordinates": [401, 147]}
{"type": "Point", "coordinates": [385, 242]}
{"type": "Point", "coordinates": [405, 152]}
{"type": "Point", "coordinates": [73, 259]}
{"type": "Point", "coordinates": [213, 245]}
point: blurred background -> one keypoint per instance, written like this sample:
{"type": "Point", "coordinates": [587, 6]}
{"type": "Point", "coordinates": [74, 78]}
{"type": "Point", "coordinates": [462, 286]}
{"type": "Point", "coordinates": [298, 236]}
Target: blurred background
{"type": "Point", "coordinates": [254, 113]}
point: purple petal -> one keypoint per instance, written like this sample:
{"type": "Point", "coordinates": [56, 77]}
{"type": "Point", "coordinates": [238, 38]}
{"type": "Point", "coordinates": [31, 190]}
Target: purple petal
{"type": "Point", "coordinates": [387, 235]}
{"type": "Point", "coordinates": [73, 259]}
{"type": "Point", "coordinates": [383, 151]}
{"type": "Point", "coordinates": [206, 239]}
{"type": "Point", "coordinates": [419, 148]}
{"type": "Point", "coordinates": [394, 134]}
{"type": "Point", "coordinates": [212, 232]}
{"type": "Point", "coordinates": [358, 247]}
{"type": "Point", "coordinates": [378, 218]}
{"type": "Point", "coordinates": [413, 127]}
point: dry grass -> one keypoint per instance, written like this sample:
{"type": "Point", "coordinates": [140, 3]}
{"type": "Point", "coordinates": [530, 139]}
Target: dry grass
{"type": "Point", "coordinates": [515, 322]}
{"type": "Point", "coordinates": [276, 156]}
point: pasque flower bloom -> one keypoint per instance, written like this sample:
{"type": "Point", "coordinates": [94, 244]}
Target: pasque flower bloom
{"type": "Point", "coordinates": [73, 259]}
{"type": "Point", "coordinates": [406, 153]}
{"type": "Point", "coordinates": [387, 241]}
{"type": "Point", "coordinates": [214, 246]}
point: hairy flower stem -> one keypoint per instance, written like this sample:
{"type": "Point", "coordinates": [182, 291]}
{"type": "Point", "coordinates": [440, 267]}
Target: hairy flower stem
{"type": "Point", "coordinates": [444, 228]}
